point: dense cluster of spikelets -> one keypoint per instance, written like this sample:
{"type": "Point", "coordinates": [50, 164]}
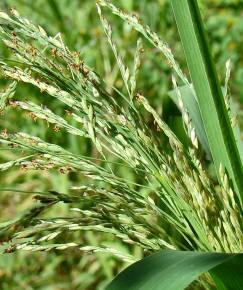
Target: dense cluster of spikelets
{"type": "Point", "coordinates": [174, 204]}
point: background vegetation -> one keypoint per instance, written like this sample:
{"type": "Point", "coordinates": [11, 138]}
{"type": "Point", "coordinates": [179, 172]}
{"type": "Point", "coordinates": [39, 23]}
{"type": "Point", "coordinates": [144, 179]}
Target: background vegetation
{"type": "Point", "coordinates": [81, 30]}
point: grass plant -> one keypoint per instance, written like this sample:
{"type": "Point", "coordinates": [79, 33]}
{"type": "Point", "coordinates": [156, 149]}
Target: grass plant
{"type": "Point", "coordinates": [172, 201]}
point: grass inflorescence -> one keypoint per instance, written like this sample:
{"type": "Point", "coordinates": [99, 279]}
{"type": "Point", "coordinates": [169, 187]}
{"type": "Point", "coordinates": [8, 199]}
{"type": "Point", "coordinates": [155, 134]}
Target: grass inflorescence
{"type": "Point", "coordinates": [172, 201]}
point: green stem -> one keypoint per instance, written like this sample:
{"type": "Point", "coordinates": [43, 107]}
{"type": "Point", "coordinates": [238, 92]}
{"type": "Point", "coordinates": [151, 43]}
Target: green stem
{"type": "Point", "coordinates": [209, 94]}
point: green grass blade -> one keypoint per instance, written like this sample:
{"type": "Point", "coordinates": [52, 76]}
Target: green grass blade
{"type": "Point", "coordinates": [191, 105]}
{"type": "Point", "coordinates": [209, 94]}
{"type": "Point", "coordinates": [229, 275]}
{"type": "Point", "coordinates": [170, 270]}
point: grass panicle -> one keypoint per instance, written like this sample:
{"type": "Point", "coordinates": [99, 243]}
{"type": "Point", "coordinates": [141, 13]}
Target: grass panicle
{"type": "Point", "coordinates": [170, 203]}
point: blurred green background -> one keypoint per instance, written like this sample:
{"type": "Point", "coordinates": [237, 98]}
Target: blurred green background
{"type": "Point", "coordinates": [79, 24]}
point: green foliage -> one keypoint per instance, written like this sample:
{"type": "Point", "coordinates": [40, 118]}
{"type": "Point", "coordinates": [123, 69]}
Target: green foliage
{"type": "Point", "coordinates": [209, 94]}
{"type": "Point", "coordinates": [177, 269]}
{"type": "Point", "coordinates": [112, 178]}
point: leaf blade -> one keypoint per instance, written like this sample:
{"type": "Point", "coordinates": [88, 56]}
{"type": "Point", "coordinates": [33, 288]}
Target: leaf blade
{"type": "Point", "coordinates": [209, 94]}
{"type": "Point", "coordinates": [169, 270]}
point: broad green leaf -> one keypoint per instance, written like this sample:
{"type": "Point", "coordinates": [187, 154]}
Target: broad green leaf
{"type": "Point", "coordinates": [208, 91]}
{"type": "Point", "coordinates": [229, 275]}
{"type": "Point", "coordinates": [191, 105]}
{"type": "Point", "coordinates": [170, 270]}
